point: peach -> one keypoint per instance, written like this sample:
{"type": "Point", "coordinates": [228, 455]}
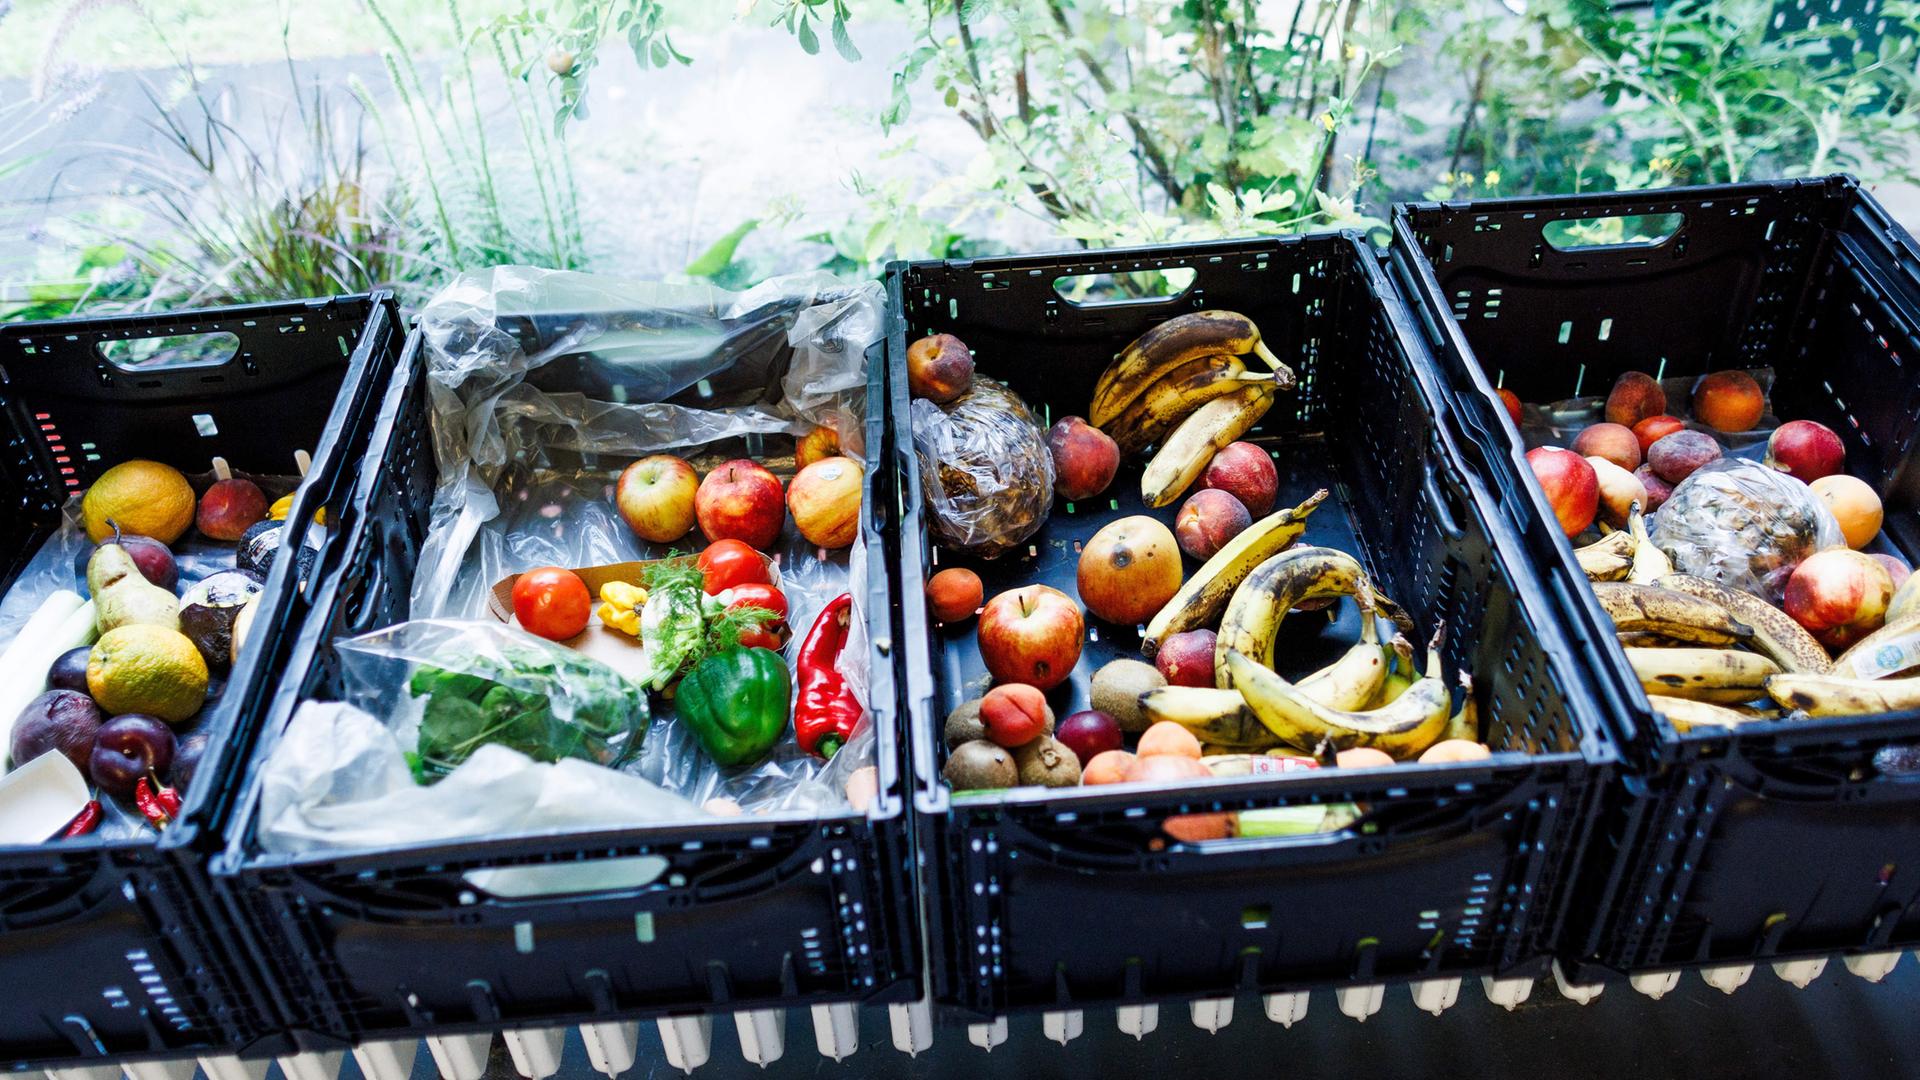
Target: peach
{"type": "Point", "coordinates": [1675, 457]}
{"type": "Point", "coordinates": [1362, 757]}
{"type": "Point", "coordinates": [1571, 486]}
{"type": "Point", "coordinates": [1245, 472]}
{"type": "Point", "coordinates": [1898, 570]}
{"type": "Point", "coordinates": [1455, 750]}
{"type": "Point", "coordinates": [1107, 767]}
{"type": "Point", "coordinates": [1805, 450]}
{"type": "Point", "coordinates": [1207, 520]}
{"type": "Point", "coordinates": [1084, 459]}
{"type": "Point", "coordinates": [821, 442]}
{"type": "Point", "coordinates": [1129, 570]}
{"type": "Point", "coordinates": [1840, 596]}
{"type": "Point", "coordinates": [824, 500]}
{"type": "Point", "coordinates": [954, 594]}
{"type": "Point", "coordinates": [1168, 738]}
{"type": "Point", "coordinates": [1854, 506]}
{"type": "Point", "coordinates": [1512, 401]}
{"type": "Point", "coordinates": [1658, 490]}
{"type": "Point", "coordinates": [1186, 658]}
{"type": "Point", "coordinates": [741, 500]}
{"type": "Point", "coordinates": [1619, 490]}
{"type": "Point", "coordinates": [1654, 428]}
{"type": "Point", "coordinates": [1728, 401]}
{"type": "Point", "coordinates": [1615, 442]}
{"type": "Point", "coordinates": [1635, 396]}
{"type": "Point", "coordinates": [1014, 714]}
{"type": "Point", "coordinates": [939, 368]}
{"type": "Point", "coordinates": [229, 508]}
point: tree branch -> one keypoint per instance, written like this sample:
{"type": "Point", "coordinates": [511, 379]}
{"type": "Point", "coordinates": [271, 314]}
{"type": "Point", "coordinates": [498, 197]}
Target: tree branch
{"type": "Point", "coordinates": [1156, 161]}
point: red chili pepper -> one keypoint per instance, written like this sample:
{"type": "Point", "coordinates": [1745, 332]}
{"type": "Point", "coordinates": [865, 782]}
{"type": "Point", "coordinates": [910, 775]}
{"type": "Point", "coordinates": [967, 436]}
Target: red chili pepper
{"type": "Point", "coordinates": [826, 710]}
{"type": "Point", "coordinates": [87, 820]}
{"type": "Point", "coordinates": [157, 803]}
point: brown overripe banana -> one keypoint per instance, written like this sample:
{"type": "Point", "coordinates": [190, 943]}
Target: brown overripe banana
{"type": "Point", "coordinates": [1674, 614]}
{"type": "Point", "coordinates": [1166, 403]}
{"type": "Point", "coordinates": [1414, 721]}
{"type": "Point", "coordinates": [1775, 634]}
{"type": "Point", "coordinates": [1274, 587]}
{"type": "Point", "coordinates": [1352, 681]}
{"type": "Point", "coordinates": [1833, 695]}
{"type": "Point", "coordinates": [1204, 595]}
{"type": "Point", "coordinates": [1685, 714]}
{"type": "Point", "coordinates": [1217, 717]}
{"type": "Point", "coordinates": [1185, 454]}
{"type": "Point", "coordinates": [1152, 355]}
{"type": "Point", "coordinates": [1702, 674]}
{"type": "Point", "coordinates": [1609, 558]}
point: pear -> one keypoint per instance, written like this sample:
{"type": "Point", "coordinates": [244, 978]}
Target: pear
{"type": "Point", "coordinates": [123, 596]}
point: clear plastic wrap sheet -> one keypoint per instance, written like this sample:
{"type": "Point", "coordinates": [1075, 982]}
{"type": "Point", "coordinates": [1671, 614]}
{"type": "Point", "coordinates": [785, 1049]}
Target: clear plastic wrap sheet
{"type": "Point", "coordinates": [1744, 525]}
{"type": "Point", "coordinates": [60, 564]}
{"type": "Point", "coordinates": [985, 469]}
{"type": "Point", "coordinates": [545, 385]}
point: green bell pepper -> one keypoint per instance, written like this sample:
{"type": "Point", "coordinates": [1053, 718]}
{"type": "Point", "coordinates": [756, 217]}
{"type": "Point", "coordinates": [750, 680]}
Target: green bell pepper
{"type": "Point", "coordinates": [736, 702]}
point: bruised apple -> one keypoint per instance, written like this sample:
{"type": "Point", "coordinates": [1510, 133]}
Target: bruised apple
{"type": "Point", "coordinates": [1129, 570]}
{"type": "Point", "coordinates": [824, 500]}
{"type": "Point", "coordinates": [1839, 595]}
{"type": "Point", "coordinates": [1031, 635]}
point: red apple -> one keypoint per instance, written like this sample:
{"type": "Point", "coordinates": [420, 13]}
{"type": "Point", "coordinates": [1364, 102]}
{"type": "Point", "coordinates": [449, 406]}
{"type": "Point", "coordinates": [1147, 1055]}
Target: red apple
{"type": "Point", "coordinates": [1898, 570]}
{"type": "Point", "coordinates": [821, 442]}
{"type": "Point", "coordinates": [1245, 472]}
{"type": "Point", "coordinates": [1031, 635]}
{"type": "Point", "coordinates": [1654, 428]}
{"type": "Point", "coordinates": [1614, 442]}
{"type": "Point", "coordinates": [1839, 595]}
{"type": "Point", "coordinates": [1512, 401]}
{"type": "Point", "coordinates": [1805, 450]}
{"type": "Point", "coordinates": [1571, 486]}
{"type": "Point", "coordinates": [741, 500]}
{"type": "Point", "coordinates": [1207, 520]}
{"type": "Point", "coordinates": [1084, 459]}
{"type": "Point", "coordinates": [655, 498]}
{"type": "Point", "coordinates": [825, 501]}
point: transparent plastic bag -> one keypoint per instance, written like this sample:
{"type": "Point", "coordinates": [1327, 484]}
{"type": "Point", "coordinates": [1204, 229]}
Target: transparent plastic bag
{"type": "Point", "coordinates": [985, 469]}
{"type": "Point", "coordinates": [544, 385]}
{"type": "Point", "coordinates": [451, 687]}
{"type": "Point", "coordinates": [1743, 525]}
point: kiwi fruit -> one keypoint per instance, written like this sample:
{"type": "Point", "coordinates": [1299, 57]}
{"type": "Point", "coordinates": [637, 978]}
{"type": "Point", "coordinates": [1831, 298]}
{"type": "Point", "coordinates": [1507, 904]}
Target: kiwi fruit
{"type": "Point", "coordinates": [979, 764]}
{"type": "Point", "coordinates": [963, 724]}
{"type": "Point", "coordinates": [1046, 762]}
{"type": "Point", "coordinates": [1117, 688]}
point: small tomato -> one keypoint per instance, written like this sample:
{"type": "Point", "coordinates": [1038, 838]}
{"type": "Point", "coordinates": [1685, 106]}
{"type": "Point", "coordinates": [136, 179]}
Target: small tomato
{"type": "Point", "coordinates": [728, 563]}
{"type": "Point", "coordinates": [551, 602]}
{"type": "Point", "coordinates": [756, 595]}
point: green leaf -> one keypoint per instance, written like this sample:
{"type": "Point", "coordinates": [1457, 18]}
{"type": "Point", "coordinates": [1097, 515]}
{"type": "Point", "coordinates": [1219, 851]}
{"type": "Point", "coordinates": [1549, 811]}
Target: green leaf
{"type": "Point", "coordinates": [715, 258]}
{"type": "Point", "coordinates": [953, 96]}
{"type": "Point", "coordinates": [843, 42]}
{"type": "Point", "coordinates": [809, 41]}
{"type": "Point", "coordinates": [972, 11]}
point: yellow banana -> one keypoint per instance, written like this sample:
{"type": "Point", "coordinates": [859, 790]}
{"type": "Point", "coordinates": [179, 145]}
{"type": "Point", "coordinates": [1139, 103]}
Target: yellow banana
{"type": "Point", "coordinates": [1673, 614]}
{"type": "Point", "coordinates": [1202, 597]}
{"type": "Point", "coordinates": [1775, 634]}
{"type": "Point", "coordinates": [1608, 558]}
{"type": "Point", "coordinates": [1162, 406]}
{"type": "Point", "coordinates": [1254, 613]}
{"type": "Point", "coordinates": [1351, 681]}
{"type": "Point", "coordinates": [1685, 714]}
{"type": "Point", "coordinates": [1185, 454]}
{"type": "Point", "coordinates": [1832, 695]}
{"type": "Point", "coordinates": [1702, 674]}
{"type": "Point", "coordinates": [1416, 719]}
{"type": "Point", "coordinates": [1650, 564]}
{"type": "Point", "coordinates": [1465, 724]}
{"type": "Point", "coordinates": [1151, 356]}
{"type": "Point", "coordinates": [1216, 717]}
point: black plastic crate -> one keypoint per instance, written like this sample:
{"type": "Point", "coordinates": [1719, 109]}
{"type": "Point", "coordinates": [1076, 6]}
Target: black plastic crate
{"type": "Point", "coordinates": [1781, 840]}
{"type": "Point", "coordinates": [117, 938]}
{"type": "Point", "coordinates": [1054, 899]}
{"type": "Point", "coordinates": [747, 915]}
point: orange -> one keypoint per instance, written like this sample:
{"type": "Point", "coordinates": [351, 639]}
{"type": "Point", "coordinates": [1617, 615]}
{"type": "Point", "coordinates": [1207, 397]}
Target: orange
{"type": "Point", "coordinates": [144, 498]}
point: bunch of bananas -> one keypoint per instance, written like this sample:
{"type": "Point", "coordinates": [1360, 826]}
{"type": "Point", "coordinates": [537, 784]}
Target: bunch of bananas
{"type": "Point", "coordinates": [1357, 701]}
{"type": "Point", "coordinates": [1183, 387]}
{"type": "Point", "coordinates": [1710, 656]}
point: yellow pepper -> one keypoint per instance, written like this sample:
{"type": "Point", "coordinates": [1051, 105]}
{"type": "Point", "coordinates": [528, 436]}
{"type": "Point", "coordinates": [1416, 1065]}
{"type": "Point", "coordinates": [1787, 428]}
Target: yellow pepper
{"type": "Point", "coordinates": [620, 606]}
{"type": "Point", "coordinates": [284, 506]}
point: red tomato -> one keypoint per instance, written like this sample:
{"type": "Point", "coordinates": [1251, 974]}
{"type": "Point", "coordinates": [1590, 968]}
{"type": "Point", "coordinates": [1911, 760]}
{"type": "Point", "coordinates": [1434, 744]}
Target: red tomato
{"type": "Point", "coordinates": [727, 563]}
{"type": "Point", "coordinates": [551, 602]}
{"type": "Point", "coordinates": [759, 637]}
{"type": "Point", "coordinates": [756, 595]}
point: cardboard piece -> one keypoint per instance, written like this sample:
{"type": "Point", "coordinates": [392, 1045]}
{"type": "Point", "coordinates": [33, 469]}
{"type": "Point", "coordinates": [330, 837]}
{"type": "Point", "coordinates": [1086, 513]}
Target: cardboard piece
{"type": "Point", "coordinates": [598, 640]}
